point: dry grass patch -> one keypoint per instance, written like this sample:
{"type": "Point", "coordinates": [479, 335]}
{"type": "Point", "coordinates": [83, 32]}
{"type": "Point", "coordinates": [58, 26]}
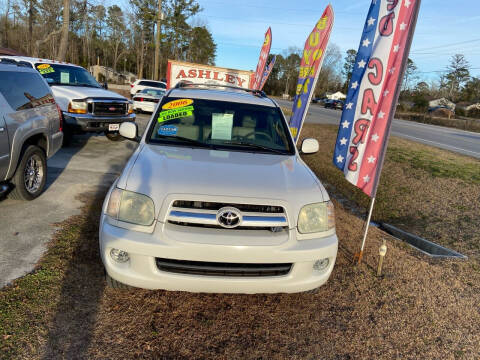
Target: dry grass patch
{"type": "Point", "coordinates": [431, 192]}
{"type": "Point", "coordinates": [418, 309]}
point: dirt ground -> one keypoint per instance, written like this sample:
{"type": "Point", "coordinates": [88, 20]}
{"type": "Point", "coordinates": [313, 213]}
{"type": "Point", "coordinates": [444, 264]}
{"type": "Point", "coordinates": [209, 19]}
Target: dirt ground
{"type": "Point", "coordinates": [419, 308]}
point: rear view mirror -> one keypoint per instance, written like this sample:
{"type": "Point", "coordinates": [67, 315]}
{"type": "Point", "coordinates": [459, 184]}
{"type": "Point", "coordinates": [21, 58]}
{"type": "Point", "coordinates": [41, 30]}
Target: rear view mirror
{"type": "Point", "coordinates": [309, 146]}
{"type": "Point", "coordinates": [129, 130]}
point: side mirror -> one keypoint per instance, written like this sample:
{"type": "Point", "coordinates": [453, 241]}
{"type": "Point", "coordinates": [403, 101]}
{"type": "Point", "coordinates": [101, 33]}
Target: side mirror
{"type": "Point", "coordinates": [129, 130]}
{"type": "Point", "coordinates": [105, 85]}
{"type": "Point", "coordinates": [309, 146]}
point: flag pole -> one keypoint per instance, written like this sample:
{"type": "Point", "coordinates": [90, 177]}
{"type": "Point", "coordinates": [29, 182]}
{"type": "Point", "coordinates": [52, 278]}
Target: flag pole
{"type": "Point", "coordinates": [358, 256]}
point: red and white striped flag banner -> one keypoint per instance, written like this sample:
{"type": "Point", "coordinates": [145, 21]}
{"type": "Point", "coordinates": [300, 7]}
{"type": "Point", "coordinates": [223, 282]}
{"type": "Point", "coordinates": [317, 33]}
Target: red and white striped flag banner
{"type": "Point", "coordinates": [373, 94]}
{"type": "Point", "coordinates": [262, 61]}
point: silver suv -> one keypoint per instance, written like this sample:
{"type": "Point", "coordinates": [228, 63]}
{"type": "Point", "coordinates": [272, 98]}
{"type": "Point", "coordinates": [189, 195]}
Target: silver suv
{"type": "Point", "coordinates": [30, 130]}
{"type": "Point", "coordinates": [216, 198]}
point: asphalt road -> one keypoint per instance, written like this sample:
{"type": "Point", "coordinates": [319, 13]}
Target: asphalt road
{"type": "Point", "coordinates": [91, 164]}
{"type": "Point", "coordinates": [463, 142]}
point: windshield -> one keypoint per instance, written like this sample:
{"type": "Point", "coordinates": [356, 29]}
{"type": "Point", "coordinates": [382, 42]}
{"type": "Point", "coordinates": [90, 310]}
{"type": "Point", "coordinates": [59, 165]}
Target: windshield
{"type": "Point", "coordinates": [221, 125]}
{"type": "Point", "coordinates": [153, 92]}
{"type": "Point", "coordinates": [57, 74]}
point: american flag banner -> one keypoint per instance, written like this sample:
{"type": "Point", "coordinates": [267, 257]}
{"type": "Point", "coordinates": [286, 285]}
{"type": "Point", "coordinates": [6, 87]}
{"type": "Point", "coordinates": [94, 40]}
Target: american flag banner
{"type": "Point", "coordinates": [373, 91]}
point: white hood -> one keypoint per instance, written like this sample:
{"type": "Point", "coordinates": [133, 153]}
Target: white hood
{"type": "Point", "coordinates": [64, 94]}
{"type": "Point", "coordinates": [159, 171]}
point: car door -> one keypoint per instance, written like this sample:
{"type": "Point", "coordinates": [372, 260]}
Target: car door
{"type": "Point", "coordinates": [4, 147]}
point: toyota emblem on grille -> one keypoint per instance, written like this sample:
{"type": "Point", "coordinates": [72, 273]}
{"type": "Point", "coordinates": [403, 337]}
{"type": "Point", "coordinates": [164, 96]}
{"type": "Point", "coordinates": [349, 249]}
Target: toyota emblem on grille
{"type": "Point", "coordinates": [229, 217]}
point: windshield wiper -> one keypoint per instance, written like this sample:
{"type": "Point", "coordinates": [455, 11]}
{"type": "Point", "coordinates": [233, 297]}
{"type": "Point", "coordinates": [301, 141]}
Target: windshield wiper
{"type": "Point", "coordinates": [256, 146]}
{"type": "Point", "coordinates": [191, 141]}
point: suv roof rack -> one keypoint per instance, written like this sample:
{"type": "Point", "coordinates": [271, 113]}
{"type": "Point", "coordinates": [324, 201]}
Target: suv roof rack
{"type": "Point", "coordinates": [185, 84]}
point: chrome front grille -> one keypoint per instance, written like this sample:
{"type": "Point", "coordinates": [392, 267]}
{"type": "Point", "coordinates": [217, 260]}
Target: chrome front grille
{"type": "Point", "coordinates": [206, 214]}
{"type": "Point", "coordinates": [109, 108]}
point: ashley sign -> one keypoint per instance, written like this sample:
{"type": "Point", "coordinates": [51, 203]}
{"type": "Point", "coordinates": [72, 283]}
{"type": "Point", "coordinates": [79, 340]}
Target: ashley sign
{"type": "Point", "coordinates": [204, 74]}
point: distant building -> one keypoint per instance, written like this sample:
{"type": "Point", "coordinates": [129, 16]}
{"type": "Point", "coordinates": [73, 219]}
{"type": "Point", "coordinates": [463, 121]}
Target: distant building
{"type": "Point", "coordinates": [106, 74]}
{"type": "Point", "coordinates": [11, 52]}
{"type": "Point", "coordinates": [473, 107]}
{"type": "Point", "coordinates": [337, 96]}
{"type": "Point", "coordinates": [442, 103]}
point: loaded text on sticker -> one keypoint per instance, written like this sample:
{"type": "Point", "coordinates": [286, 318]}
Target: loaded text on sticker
{"type": "Point", "coordinates": [43, 66]}
{"type": "Point", "coordinates": [173, 114]}
{"type": "Point", "coordinates": [177, 104]}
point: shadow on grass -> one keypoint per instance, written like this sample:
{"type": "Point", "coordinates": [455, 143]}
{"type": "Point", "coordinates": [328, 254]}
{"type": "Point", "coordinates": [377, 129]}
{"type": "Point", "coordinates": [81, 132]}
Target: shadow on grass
{"type": "Point", "coordinates": [71, 329]}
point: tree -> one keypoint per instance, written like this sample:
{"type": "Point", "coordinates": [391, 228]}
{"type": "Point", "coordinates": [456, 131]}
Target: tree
{"type": "Point", "coordinates": [202, 48]}
{"type": "Point", "coordinates": [410, 74]}
{"type": "Point", "coordinates": [329, 78]}
{"type": "Point", "coordinates": [471, 91]}
{"type": "Point", "coordinates": [458, 73]}
{"type": "Point", "coordinates": [349, 66]}
{"type": "Point", "coordinates": [62, 51]}
{"type": "Point", "coordinates": [116, 27]}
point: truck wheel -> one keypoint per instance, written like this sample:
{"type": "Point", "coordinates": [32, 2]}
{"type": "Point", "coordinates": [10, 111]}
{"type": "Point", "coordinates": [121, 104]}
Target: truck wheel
{"type": "Point", "coordinates": [114, 136]}
{"type": "Point", "coordinates": [114, 284]}
{"type": "Point", "coordinates": [31, 174]}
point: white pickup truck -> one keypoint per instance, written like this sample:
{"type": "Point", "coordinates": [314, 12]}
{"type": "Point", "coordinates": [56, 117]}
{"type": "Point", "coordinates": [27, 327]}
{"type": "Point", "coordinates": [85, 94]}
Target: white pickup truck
{"type": "Point", "coordinates": [85, 104]}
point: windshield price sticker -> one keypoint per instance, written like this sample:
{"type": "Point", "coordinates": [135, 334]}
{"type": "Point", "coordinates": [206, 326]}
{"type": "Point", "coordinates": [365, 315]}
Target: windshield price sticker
{"type": "Point", "coordinates": [168, 130]}
{"type": "Point", "coordinates": [175, 104]}
{"type": "Point", "coordinates": [222, 125]}
{"type": "Point", "coordinates": [45, 69]}
{"type": "Point", "coordinates": [175, 113]}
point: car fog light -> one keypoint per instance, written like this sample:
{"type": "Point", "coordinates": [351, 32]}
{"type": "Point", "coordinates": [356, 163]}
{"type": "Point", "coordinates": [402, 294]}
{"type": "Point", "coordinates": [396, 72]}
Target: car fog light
{"type": "Point", "coordinates": [119, 255]}
{"type": "Point", "coordinates": [321, 264]}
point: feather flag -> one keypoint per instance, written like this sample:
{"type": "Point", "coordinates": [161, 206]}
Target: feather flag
{"type": "Point", "coordinates": [373, 91]}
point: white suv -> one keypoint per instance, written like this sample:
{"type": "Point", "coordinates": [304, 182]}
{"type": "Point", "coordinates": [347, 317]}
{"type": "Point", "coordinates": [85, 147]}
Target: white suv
{"type": "Point", "coordinates": [139, 85]}
{"type": "Point", "coordinates": [217, 199]}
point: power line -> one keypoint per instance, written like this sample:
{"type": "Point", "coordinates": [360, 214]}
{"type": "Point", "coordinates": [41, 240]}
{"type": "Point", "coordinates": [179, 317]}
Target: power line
{"type": "Point", "coordinates": [447, 45]}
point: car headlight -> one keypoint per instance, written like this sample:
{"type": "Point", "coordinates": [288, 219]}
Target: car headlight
{"type": "Point", "coordinates": [316, 217]}
{"type": "Point", "coordinates": [77, 107]}
{"type": "Point", "coordinates": [130, 107]}
{"type": "Point", "coordinates": [131, 207]}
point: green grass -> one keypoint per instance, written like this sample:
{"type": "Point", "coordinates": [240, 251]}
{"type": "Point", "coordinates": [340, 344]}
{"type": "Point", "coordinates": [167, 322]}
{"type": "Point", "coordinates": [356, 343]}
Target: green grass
{"type": "Point", "coordinates": [29, 303]}
{"type": "Point", "coordinates": [446, 167]}
{"type": "Point", "coordinates": [430, 192]}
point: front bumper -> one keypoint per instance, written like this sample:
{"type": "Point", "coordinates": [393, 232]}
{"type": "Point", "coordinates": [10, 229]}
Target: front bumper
{"type": "Point", "coordinates": [146, 106]}
{"type": "Point", "coordinates": [93, 123]}
{"type": "Point", "coordinates": [143, 248]}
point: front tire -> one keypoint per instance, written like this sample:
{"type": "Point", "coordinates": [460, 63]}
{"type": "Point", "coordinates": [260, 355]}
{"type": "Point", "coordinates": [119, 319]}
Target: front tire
{"type": "Point", "coordinates": [114, 136]}
{"type": "Point", "coordinates": [31, 174]}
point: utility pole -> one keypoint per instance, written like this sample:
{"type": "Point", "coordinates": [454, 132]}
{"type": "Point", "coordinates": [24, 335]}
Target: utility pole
{"type": "Point", "coordinates": [157, 42]}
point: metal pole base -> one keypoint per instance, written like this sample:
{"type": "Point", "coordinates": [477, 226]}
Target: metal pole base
{"type": "Point", "coordinates": [357, 258]}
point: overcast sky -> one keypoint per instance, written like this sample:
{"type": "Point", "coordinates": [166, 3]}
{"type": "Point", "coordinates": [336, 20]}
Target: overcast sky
{"type": "Point", "coordinates": [445, 27]}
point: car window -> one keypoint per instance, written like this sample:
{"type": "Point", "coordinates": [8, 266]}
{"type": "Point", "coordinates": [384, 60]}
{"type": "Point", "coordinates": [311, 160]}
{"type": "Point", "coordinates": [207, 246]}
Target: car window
{"type": "Point", "coordinates": [153, 84]}
{"type": "Point", "coordinates": [57, 74]}
{"type": "Point", "coordinates": [153, 92]}
{"type": "Point", "coordinates": [221, 124]}
{"type": "Point", "coordinates": [24, 90]}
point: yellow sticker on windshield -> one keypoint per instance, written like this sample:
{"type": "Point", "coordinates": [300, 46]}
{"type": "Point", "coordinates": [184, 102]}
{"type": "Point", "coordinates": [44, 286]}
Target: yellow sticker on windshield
{"type": "Point", "coordinates": [175, 104]}
{"type": "Point", "coordinates": [45, 69]}
{"type": "Point", "coordinates": [173, 114]}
